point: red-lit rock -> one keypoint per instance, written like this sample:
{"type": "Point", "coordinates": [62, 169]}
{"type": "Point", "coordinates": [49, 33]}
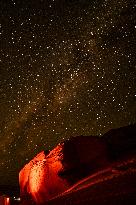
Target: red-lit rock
{"type": "Point", "coordinates": [25, 172]}
{"type": "Point", "coordinates": [45, 177]}
{"type": "Point", "coordinates": [44, 182]}
{"type": "Point", "coordinates": [39, 179]}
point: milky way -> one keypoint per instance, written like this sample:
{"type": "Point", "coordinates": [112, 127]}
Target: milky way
{"type": "Point", "coordinates": [68, 68]}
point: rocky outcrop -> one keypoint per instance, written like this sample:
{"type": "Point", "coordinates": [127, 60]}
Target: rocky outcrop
{"type": "Point", "coordinates": [25, 173]}
{"type": "Point", "coordinates": [39, 179]}
{"type": "Point", "coordinates": [47, 176]}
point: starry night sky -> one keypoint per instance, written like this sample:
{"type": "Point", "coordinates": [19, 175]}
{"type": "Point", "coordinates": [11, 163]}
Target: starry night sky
{"type": "Point", "coordinates": [67, 68]}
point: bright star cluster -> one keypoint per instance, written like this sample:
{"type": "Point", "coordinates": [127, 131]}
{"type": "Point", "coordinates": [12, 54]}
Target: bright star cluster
{"type": "Point", "coordinates": [68, 68]}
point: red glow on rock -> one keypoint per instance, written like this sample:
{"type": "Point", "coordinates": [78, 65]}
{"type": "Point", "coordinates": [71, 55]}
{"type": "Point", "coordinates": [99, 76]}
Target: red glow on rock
{"type": "Point", "coordinates": [39, 178]}
{"type": "Point", "coordinates": [24, 174]}
{"type": "Point", "coordinates": [72, 164]}
{"type": "Point", "coordinates": [45, 177]}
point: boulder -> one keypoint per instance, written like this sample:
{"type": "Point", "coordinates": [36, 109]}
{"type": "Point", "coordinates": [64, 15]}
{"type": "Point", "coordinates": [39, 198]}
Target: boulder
{"type": "Point", "coordinates": [44, 177]}
{"type": "Point", "coordinates": [48, 175]}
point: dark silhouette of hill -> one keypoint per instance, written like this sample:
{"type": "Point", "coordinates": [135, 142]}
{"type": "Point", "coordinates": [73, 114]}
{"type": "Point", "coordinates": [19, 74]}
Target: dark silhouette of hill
{"type": "Point", "coordinates": [115, 185]}
{"type": "Point", "coordinates": [121, 142]}
{"type": "Point", "coordinates": [83, 155]}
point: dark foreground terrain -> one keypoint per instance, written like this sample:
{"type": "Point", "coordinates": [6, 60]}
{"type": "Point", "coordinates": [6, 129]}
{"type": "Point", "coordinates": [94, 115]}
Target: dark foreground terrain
{"type": "Point", "coordinates": [115, 185]}
{"type": "Point", "coordinates": [97, 171]}
{"type": "Point", "coordinates": [82, 171]}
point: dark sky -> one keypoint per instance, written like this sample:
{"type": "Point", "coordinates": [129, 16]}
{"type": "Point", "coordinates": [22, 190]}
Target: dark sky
{"type": "Point", "coordinates": [68, 68]}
